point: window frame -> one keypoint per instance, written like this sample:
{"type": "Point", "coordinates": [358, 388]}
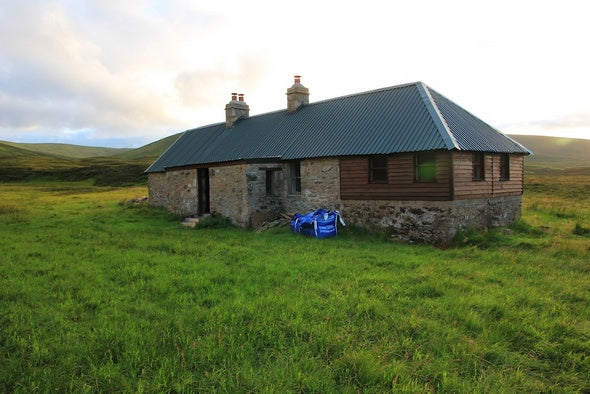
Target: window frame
{"type": "Point", "coordinates": [270, 187]}
{"type": "Point", "coordinates": [295, 177]}
{"type": "Point", "coordinates": [504, 166]}
{"type": "Point", "coordinates": [423, 161]}
{"type": "Point", "coordinates": [478, 164]}
{"type": "Point", "coordinates": [382, 167]}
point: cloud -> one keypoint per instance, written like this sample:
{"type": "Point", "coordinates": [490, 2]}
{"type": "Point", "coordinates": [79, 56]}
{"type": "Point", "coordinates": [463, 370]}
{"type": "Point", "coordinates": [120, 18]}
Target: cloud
{"type": "Point", "coordinates": [201, 87]}
{"type": "Point", "coordinates": [573, 125]}
{"type": "Point", "coordinates": [63, 71]}
{"type": "Point", "coordinates": [146, 69]}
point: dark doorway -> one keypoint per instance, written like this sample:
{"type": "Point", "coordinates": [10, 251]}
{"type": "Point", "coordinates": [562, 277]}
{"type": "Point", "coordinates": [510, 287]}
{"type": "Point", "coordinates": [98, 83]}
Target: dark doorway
{"type": "Point", "coordinates": [203, 184]}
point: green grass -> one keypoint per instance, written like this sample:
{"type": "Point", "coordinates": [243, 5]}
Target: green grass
{"type": "Point", "coordinates": [100, 294]}
{"type": "Point", "coordinates": [103, 171]}
{"type": "Point", "coordinates": [66, 150]}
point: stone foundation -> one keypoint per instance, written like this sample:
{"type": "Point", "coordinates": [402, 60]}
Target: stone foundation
{"type": "Point", "coordinates": [434, 222]}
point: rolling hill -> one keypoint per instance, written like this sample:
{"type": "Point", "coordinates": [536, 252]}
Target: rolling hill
{"type": "Point", "coordinates": [67, 150]}
{"type": "Point", "coordinates": [152, 150]}
{"type": "Point", "coordinates": [556, 154]}
{"type": "Point", "coordinates": [552, 155]}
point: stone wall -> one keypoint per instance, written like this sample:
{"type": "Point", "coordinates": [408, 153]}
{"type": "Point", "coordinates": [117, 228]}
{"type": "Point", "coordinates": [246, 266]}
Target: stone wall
{"type": "Point", "coordinates": [174, 190]}
{"type": "Point", "coordinates": [265, 204]}
{"type": "Point", "coordinates": [240, 193]}
{"type": "Point", "coordinates": [434, 222]}
{"type": "Point", "coordinates": [320, 186]}
{"type": "Point", "coordinates": [228, 193]}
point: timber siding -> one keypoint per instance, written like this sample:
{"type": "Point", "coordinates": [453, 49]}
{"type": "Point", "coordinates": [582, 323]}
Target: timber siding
{"type": "Point", "coordinates": [465, 187]}
{"type": "Point", "coordinates": [401, 183]}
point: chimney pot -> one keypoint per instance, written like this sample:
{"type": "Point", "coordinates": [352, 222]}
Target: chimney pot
{"type": "Point", "coordinates": [234, 96]}
{"type": "Point", "coordinates": [297, 78]}
{"type": "Point", "coordinates": [241, 97]}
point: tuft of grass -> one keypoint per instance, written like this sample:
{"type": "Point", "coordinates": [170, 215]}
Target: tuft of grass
{"type": "Point", "coordinates": [216, 221]}
{"type": "Point", "coordinates": [481, 239]}
{"type": "Point", "coordinates": [581, 230]}
{"type": "Point", "coordinates": [11, 213]}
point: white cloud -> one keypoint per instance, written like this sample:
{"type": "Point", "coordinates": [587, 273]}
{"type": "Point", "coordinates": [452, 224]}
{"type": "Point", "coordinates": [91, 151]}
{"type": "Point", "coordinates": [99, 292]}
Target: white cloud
{"type": "Point", "coordinates": [144, 70]}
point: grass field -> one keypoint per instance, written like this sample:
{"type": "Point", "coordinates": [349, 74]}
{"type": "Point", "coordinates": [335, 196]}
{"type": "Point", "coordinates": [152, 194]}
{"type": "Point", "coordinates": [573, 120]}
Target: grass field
{"type": "Point", "coordinates": [100, 294]}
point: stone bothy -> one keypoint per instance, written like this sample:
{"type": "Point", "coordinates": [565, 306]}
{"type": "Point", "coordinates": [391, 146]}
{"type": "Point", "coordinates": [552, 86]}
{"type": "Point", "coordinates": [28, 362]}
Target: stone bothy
{"type": "Point", "coordinates": [403, 159]}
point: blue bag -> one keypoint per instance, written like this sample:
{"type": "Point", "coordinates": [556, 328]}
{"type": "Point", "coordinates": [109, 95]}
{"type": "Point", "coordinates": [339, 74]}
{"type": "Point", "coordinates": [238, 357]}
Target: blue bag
{"type": "Point", "coordinates": [319, 224]}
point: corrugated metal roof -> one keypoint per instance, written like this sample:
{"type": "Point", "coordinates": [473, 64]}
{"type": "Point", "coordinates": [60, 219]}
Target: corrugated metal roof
{"type": "Point", "coordinates": [404, 118]}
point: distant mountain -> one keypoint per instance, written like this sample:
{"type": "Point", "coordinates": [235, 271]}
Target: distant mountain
{"type": "Point", "coordinates": [556, 154]}
{"type": "Point", "coordinates": [152, 150]}
{"type": "Point", "coordinates": [67, 150]}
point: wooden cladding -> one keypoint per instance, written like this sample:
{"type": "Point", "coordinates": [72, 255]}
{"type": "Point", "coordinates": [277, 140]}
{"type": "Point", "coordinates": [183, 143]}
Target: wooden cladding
{"type": "Point", "coordinates": [400, 184]}
{"type": "Point", "coordinates": [491, 184]}
{"type": "Point", "coordinates": [502, 175]}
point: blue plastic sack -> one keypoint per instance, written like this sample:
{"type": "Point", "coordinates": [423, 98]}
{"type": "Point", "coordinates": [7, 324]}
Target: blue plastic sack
{"type": "Point", "coordinates": [319, 223]}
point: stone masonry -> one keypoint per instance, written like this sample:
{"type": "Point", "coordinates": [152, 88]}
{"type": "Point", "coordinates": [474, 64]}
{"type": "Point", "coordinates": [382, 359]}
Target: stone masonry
{"type": "Point", "coordinates": [228, 193]}
{"type": "Point", "coordinates": [174, 190]}
{"type": "Point", "coordinates": [434, 222]}
{"type": "Point", "coordinates": [241, 193]}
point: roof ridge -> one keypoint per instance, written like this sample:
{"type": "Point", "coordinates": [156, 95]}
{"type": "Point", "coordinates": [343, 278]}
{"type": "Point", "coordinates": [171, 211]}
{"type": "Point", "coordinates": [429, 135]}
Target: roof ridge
{"type": "Point", "coordinates": [439, 120]}
{"type": "Point", "coordinates": [404, 85]}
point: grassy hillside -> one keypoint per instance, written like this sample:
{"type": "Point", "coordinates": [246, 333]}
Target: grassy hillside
{"type": "Point", "coordinates": [152, 150]}
{"type": "Point", "coordinates": [67, 150]}
{"type": "Point", "coordinates": [17, 164]}
{"type": "Point", "coordinates": [555, 154]}
{"type": "Point", "coordinates": [98, 294]}
{"type": "Point", "coordinates": [9, 150]}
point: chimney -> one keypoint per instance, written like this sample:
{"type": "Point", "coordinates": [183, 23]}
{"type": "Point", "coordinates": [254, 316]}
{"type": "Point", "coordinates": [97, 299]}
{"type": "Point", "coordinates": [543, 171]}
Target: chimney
{"type": "Point", "coordinates": [236, 109]}
{"type": "Point", "coordinates": [297, 95]}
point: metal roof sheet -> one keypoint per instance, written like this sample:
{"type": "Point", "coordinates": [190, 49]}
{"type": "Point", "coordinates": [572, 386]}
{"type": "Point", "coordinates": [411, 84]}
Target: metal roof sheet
{"type": "Point", "coordinates": [404, 118]}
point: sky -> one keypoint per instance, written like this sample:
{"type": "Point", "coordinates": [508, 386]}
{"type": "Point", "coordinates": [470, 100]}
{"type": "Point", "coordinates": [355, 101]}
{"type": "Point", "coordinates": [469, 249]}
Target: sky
{"type": "Point", "coordinates": [127, 73]}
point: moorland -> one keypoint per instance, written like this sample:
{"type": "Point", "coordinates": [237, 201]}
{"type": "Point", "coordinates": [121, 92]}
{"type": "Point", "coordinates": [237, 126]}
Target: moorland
{"type": "Point", "coordinates": [99, 293]}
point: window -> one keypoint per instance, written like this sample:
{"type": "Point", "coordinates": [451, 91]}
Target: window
{"type": "Point", "coordinates": [504, 167]}
{"type": "Point", "coordinates": [425, 167]}
{"type": "Point", "coordinates": [295, 177]}
{"type": "Point", "coordinates": [378, 169]}
{"type": "Point", "coordinates": [269, 183]}
{"type": "Point", "coordinates": [478, 166]}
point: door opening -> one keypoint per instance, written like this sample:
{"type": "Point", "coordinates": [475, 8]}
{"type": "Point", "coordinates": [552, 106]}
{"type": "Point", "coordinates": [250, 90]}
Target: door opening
{"type": "Point", "coordinates": [203, 185]}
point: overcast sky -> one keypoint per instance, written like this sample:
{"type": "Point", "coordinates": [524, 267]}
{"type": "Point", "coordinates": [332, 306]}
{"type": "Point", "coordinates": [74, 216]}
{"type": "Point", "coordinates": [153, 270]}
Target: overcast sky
{"type": "Point", "coordinates": [125, 73]}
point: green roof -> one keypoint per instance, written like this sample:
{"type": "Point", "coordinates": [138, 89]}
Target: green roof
{"type": "Point", "coordinates": [404, 118]}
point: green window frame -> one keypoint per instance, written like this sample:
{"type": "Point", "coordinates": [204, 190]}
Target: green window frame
{"type": "Point", "coordinates": [425, 167]}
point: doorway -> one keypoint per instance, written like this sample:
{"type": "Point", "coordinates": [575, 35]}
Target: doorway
{"type": "Point", "coordinates": [203, 186]}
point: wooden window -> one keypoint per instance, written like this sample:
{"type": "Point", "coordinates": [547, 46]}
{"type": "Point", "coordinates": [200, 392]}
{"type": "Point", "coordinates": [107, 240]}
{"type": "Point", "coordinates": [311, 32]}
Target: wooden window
{"type": "Point", "coordinates": [295, 177]}
{"type": "Point", "coordinates": [504, 167]}
{"type": "Point", "coordinates": [378, 169]}
{"type": "Point", "coordinates": [478, 166]}
{"type": "Point", "coordinates": [425, 166]}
